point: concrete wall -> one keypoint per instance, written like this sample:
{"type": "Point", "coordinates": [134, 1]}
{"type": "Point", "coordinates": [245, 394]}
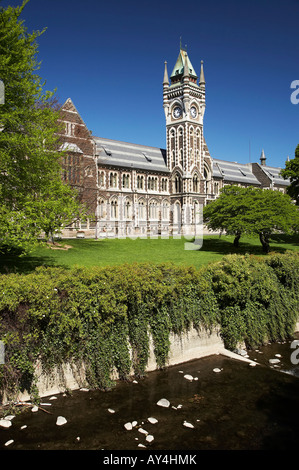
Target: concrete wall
{"type": "Point", "coordinates": [191, 345]}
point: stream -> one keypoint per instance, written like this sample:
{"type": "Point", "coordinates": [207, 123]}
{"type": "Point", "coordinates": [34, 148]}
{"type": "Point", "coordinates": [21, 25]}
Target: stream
{"type": "Point", "coordinates": [226, 404]}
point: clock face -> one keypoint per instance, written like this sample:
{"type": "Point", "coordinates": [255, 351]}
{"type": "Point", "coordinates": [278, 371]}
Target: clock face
{"type": "Point", "coordinates": [177, 112]}
{"type": "Point", "coordinates": [193, 112]}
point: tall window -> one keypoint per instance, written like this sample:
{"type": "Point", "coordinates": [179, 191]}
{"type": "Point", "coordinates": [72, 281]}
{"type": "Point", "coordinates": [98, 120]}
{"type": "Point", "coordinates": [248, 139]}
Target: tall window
{"type": "Point", "coordinates": [126, 181]}
{"type": "Point", "coordinates": [102, 211]}
{"type": "Point", "coordinates": [101, 179]}
{"type": "Point", "coordinates": [195, 184]}
{"type": "Point", "coordinates": [165, 210]}
{"type": "Point", "coordinates": [113, 180]}
{"type": "Point", "coordinates": [177, 183]}
{"type": "Point", "coordinates": [164, 184]}
{"type": "Point", "coordinates": [127, 209]}
{"type": "Point", "coordinates": [140, 182]}
{"type": "Point", "coordinates": [152, 183]}
{"type": "Point", "coordinates": [141, 210]}
{"type": "Point", "coordinates": [153, 210]}
{"type": "Point", "coordinates": [114, 209]}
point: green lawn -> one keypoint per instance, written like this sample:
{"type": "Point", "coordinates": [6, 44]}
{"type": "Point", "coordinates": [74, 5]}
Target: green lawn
{"type": "Point", "coordinates": [91, 252]}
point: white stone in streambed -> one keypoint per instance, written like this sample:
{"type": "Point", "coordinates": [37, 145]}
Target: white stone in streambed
{"type": "Point", "coordinates": [149, 438]}
{"type": "Point", "coordinates": [163, 402]}
{"type": "Point", "coordinates": [9, 442]}
{"type": "Point", "coordinates": [128, 426]}
{"type": "Point", "coordinates": [274, 361]}
{"type": "Point", "coordinates": [60, 421]}
{"type": "Point", "coordinates": [188, 377]}
{"type": "Point", "coordinates": [216, 370]}
{"type": "Point", "coordinates": [143, 431]}
{"type": "Point", "coordinates": [5, 423]}
{"type": "Point", "coordinates": [152, 420]}
{"type": "Point", "coordinates": [188, 425]}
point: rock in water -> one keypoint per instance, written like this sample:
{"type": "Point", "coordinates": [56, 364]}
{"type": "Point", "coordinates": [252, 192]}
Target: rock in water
{"type": "Point", "coordinates": [163, 402]}
{"type": "Point", "coordinates": [128, 426]}
{"type": "Point", "coordinates": [60, 421]}
{"type": "Point", "coordinates": [188, 425]}
{"type": "Point", "coordinates": [9, 442]}
{"type": "Point", "coordinates": [5, 423]}
{"type": "Point", "coordinates": [152, 420]}
{"type": "Point", "coordinates": [274, 361]}
{"type": "Point", "coordinates": [188, 377]}
{"type": "Point", "coordinates": [149, 438]}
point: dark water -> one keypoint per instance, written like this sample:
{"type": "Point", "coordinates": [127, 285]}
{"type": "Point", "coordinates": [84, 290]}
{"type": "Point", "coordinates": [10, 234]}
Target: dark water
{"type": "Point", "coordinates": [239, 408]}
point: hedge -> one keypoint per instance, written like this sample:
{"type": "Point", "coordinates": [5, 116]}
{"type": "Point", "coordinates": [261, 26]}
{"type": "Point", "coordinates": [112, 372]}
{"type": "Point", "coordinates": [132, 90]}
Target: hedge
{"type": "Point", "coordinates": [105, 316]}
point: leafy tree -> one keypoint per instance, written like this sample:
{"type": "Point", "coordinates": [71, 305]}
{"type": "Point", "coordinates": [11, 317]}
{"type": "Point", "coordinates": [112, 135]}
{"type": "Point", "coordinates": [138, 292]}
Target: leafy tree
{"type": "Point", "coordinates": [250, 211]}
{"type": "Point", "coordinates": [291, 171]}
{"type": "Point", "coordinates": [29, 142]}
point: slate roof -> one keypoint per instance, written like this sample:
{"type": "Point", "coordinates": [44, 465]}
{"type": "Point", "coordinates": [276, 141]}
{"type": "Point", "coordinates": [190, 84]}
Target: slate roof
{"type": "Point", "coordinates": [274, 174]}
{"type": "Point", "coordinates": [133, 156]}
{"type": "Point", "coordinates": [234, 172]}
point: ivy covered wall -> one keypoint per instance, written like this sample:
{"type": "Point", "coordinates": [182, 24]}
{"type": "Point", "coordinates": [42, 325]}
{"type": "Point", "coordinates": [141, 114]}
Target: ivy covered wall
{"type": "Point", "coordinates": [105, 316]}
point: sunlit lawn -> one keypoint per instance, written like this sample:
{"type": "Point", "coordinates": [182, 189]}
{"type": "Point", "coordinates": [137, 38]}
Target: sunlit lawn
{"type": "Point", "coordinates": [90, 252]}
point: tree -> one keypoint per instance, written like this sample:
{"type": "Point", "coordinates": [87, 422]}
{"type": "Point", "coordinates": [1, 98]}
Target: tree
{"type": "Point", "coordinates": [291, 171]}
{"type": "Point", "coordinates": [240, 211]}
{"type": "Point", "coordinates": [29, 138]}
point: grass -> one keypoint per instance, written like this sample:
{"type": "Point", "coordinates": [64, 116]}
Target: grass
{"type": "Point", "coordinates": [90, 252]}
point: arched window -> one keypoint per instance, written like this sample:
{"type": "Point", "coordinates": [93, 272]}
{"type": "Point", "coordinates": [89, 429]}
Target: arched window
{"type": "Point", "coordinates": [153, 210]}
{"type": "Point", "coordinates": [127, 209]}
{"type": "Point", "coordinates": [114, 209]}
{"type": "Point", "coordinates": [177, 183]}
{"type": "Point", "coordinates": [140, 182]}
{"type": "Point", "coordinates": [141, 210]}
{"type": "Point", "coordinates": [113, 180]}
{"type": "Point", "coordinates": [101, 179]}
{"type": "Point", "coordinates": [165, 210]}
{"type": "Point", "coordinates": [164, 184]}
{"type": "Point", "coordinates": [126, 181]}
{"type": "Point", "coordinates": [195, 183]}
{"type": "Point", "coordinates": [102, 209]}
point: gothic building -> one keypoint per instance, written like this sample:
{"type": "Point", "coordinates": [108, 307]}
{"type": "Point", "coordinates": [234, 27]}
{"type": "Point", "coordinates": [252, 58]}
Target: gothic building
{"type": "Point", "coordinates": [136, 190]}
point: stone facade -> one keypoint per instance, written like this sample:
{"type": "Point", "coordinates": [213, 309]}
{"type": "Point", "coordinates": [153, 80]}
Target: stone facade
{"type": "Point", "coordinates": [135, 190]}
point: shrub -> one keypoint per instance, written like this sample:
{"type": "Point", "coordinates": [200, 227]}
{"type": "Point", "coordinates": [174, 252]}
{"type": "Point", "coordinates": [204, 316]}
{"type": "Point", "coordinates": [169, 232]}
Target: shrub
{"type": "Point", "coordinates": [105, 317]}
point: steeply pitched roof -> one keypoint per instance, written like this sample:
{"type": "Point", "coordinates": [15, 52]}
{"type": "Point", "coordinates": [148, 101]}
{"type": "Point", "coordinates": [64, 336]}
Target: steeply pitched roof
{"type": "Point", "coordinates": [274, 174]}
{"type": "Point", "coordinates": [234, 172]}
{"type": "Point", "coordinates": [180, 64]}
{"type": "Point", "coordinates": [127, 155]}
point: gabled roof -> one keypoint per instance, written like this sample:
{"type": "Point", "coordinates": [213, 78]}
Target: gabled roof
{"type": "Point", "coordinates": [274, 174]}
{"type": "Point", "coordinates": [127, 155]}
{"type": "Point", "coordinates": [234, 172]}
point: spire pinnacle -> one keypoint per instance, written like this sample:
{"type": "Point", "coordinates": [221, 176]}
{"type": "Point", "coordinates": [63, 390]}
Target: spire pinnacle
{"type": "Point", "coordinates": [202, 77]}
{"type": "Point", "coordinates": [263, 158]}
{"type": "Point", "coordinates": [166, 79]}
{"type": "Point", "coordinates": [186, 66]}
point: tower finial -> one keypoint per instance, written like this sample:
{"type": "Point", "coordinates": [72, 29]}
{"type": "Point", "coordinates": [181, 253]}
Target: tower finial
{"type": "Point", "coordinates": [186, 65]}
{"type": "Point", "coordinates": [202, 77]}
{"type": "Point", "coordinates": [166, 79]}
{"type": "Point", "coordinates": [263, 158]}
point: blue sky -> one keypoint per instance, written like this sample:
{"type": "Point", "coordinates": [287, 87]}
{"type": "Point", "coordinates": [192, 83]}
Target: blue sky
{"type": "Point", "coordinates": [108, 57]}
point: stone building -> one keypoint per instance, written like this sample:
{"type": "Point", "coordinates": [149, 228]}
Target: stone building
{"type": "Point", "coordinates": [137, 190]}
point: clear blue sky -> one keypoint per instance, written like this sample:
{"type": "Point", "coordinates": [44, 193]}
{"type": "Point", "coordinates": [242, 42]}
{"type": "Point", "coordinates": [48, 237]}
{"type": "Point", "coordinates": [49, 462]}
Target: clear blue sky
{"type": "Point", "coordinates": [108, 57]}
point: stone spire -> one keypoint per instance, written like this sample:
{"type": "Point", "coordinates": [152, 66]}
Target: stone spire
{"type": "Point", "coordinates": [186, 66]}
{"type": "Point", "coordinates": [166, 79]}
{"type": "Point", "coordinates": [263, 158]}
{"type": "Point", "coordinates": [202, 77]}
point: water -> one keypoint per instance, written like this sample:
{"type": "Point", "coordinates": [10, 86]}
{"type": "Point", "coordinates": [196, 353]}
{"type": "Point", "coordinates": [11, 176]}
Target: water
{"type": "Point", "coordinates": [238, 408]}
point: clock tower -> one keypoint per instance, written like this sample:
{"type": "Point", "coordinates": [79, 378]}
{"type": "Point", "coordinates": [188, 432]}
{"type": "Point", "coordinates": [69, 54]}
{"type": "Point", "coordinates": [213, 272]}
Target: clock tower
{"type": "Point", "coordinates": [187, 154]}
